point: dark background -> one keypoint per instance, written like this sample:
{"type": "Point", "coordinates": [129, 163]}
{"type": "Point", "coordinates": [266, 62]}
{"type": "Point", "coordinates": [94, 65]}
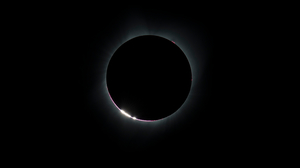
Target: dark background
{"type": "Point", "coordinates": [227, 118]}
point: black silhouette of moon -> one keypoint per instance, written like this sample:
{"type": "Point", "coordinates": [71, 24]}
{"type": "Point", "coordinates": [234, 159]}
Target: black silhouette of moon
{"type": "Point", "coordinates": [148, 78]}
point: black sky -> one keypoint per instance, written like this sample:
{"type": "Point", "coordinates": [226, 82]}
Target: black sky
{"type": "Point", "coordinates": [220, 114]}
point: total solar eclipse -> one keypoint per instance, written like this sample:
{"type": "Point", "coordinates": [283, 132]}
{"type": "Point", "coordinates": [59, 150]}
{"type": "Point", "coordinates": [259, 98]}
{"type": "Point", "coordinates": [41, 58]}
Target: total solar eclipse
{"type": "Point", "coordinates": [148, 78]}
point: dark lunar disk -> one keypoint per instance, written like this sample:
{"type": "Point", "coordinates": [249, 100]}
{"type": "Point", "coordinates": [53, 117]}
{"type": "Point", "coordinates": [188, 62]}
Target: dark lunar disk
{"type": "Point", "coordinates": [149, 77]}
